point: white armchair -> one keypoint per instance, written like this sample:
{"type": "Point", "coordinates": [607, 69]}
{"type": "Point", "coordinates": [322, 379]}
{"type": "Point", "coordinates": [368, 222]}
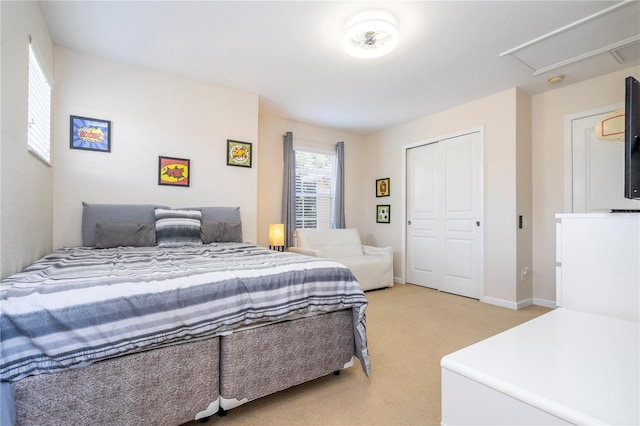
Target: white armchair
{"type": "Point", "coordinates": [372, 266]}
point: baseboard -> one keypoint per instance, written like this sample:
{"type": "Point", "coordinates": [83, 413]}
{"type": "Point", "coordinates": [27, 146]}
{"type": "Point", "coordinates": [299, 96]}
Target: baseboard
{"type": "Point", "coordinates": [524, 303]}
{"type": "Point", "coordinates": [499, 302]}
{"type": "Point", "coordinates": [506, 303]}
{"type": "Point", "coordinates": [519, 305]}
{"type": "Point", "coordinates": [545, 303]}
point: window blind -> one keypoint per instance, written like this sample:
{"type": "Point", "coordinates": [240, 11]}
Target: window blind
{"type": "Point", "coordinates": [315, 173]}
{"type": "Point", "coordinates": [39, 110]}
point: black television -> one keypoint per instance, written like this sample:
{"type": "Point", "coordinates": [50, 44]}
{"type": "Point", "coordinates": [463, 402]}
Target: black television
{"type": "Point", "coordinates": [632, 139]}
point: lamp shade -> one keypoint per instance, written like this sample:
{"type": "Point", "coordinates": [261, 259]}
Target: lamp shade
{"type": "Point", "coordinates": [276, 234]}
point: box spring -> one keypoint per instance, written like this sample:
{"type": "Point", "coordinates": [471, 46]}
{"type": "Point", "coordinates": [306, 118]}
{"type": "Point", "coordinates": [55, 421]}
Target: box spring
{"type": "Point", "coordinates": [260, 361]}
{"type": "Point", "coordinates": [169, 385]}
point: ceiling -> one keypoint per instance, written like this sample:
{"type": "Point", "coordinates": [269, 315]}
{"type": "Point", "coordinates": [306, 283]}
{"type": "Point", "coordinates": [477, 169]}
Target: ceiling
{"type": "Point", "coordinates": [290, 53]}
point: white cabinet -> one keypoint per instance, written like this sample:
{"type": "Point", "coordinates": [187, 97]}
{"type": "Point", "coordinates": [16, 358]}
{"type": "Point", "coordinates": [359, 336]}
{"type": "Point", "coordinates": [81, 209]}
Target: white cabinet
{"type": "Point", "coordinates": [598, 263]}
{"type": "Point", "coordinates": [564, 367]}
{"type": "Point", "coordinates": [577, 364]}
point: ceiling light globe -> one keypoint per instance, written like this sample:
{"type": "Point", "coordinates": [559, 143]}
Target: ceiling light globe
{"type": "Point", "coordinates": [370, 38]}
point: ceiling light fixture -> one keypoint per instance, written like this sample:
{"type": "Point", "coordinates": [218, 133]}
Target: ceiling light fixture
{"type": "Point", "coordinates": [371, 35]}
{"type": "Point", "coordinates": [555, 79]}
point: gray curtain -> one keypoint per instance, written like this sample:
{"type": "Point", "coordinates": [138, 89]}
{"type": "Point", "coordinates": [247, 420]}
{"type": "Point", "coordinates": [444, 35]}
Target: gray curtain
{"type": "Point", "coordinates": [288, 190]}
{"type": "Point", "coordinates": [337, 221]}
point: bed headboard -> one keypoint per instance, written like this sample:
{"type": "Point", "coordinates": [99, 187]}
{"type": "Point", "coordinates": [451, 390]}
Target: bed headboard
{"type": "Point", "coordinates": [92, 214]}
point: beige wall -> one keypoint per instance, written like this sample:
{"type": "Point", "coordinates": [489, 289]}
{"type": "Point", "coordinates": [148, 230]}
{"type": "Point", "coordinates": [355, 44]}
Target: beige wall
{"type": "Point", "coordinates": [524, 282]}
{"type": "Point", "coordinates": [270, 173]}
{"type": "Point", "coordinates": [26, 183]}
{"type": "Point", "coordinates": [548, 113]}
{"type": "Point", "coordinates": [160, 114]}
{"type": "Point", "coordinates": [152, 114]}
{"type": "Point", "coordinates": [497, 114]}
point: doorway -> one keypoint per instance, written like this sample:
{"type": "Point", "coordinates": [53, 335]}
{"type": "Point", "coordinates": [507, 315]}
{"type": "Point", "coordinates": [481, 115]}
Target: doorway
{"type": "Point", "coordinates": [594, 168]}
{"type": "Point", "coordinates": [444, 214]}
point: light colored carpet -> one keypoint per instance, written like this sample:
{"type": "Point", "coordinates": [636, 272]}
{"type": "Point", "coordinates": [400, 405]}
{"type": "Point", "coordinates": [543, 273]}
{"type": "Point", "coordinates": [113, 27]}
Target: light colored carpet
{"type": "Point", "coordinates": [409, 329]}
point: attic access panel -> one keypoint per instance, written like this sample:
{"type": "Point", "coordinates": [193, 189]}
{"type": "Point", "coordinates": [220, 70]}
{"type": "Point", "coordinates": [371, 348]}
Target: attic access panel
{"type": "Point", "coordinates": [613, 29]}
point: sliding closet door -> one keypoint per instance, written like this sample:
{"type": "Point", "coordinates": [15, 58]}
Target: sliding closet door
{"type": "Point", "coordinates": [444, 215]}
{"type": "Point", "coordinates": [422, 233]}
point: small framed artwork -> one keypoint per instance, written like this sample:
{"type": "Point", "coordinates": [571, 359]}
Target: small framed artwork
{"type": "Point", "coordinates": [383, 213]}
{"type": "Point", "coordinates": [174, 171]}
{"type": "Point", "coordinates": [91, 134]}
{"type": "Point", "coordinates": [239, 153]}
{"type": "Point", "coordinates": [382, 187]}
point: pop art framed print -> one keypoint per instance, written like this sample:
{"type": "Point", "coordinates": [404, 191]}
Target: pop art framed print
{"type": "Point", "coordinates": [174, 171]}
{"type": "Point", "coordinates": [383, 213]}
{"type": "Point", "coordinates": [382, 187]}
{"type": "Point", "coordinates": [239, 153]}
{"type": "Point", "coordinates": [91, 134]}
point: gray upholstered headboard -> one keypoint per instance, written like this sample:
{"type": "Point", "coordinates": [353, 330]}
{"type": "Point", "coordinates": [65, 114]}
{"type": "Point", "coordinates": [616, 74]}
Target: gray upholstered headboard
{"type": "Point", "coordinates": [92, 214]}
{"type": "Point", "coordinates": [218, 214]}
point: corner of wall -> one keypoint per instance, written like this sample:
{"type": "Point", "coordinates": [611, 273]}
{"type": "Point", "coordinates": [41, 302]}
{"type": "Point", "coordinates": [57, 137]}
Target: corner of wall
{"type": "Point", "coordinates": [26, 183]}
{"type": "Point", "coordinates": [524, 197]}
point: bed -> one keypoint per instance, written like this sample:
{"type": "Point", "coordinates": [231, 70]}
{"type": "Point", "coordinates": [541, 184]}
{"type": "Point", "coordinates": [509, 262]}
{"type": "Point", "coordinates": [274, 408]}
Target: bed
{"type": "Point", "coordinates": [165, 316]}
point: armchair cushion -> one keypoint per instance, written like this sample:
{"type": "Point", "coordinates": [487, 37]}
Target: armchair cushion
{"type": "Point", "coordinates": [339, 251]}
{"type": "Point", "coordinates": [306, 251]}
{"type": "Point", "coordinates": [377, 251]}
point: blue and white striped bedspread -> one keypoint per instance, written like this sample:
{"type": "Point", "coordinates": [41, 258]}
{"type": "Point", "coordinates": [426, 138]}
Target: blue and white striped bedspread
{"type": "Point", "coordinates": [79, 305]}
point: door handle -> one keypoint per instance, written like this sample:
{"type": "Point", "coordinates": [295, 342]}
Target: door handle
{"type": "Point", "coordinates": [478, 223]}
{"type": "Point", "coordinates": [409, 222]}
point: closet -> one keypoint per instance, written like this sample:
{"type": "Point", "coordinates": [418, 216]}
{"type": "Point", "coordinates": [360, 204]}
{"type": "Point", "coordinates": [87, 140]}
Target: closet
{"type": "Point", "coordinates": [444, 216]}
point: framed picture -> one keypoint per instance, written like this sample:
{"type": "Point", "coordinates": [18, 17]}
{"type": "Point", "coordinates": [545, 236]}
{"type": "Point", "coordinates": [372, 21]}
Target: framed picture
{"type": "Point", "coordinates": [382, 187]}
{"type": "Point", "coordinates": [174, 171]}
{"type": "Point", "coordinates": [239, 153]}
{"type": "Point", "coordinates": [383, 213]}
{"type": "Point", "coordinates": [91, 134]}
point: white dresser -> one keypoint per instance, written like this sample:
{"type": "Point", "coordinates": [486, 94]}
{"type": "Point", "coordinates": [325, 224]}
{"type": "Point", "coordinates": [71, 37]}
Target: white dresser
{"type": "Point", "coordinates": [579, 364]}
{"type": "Point", "coordinates": [598, 263]}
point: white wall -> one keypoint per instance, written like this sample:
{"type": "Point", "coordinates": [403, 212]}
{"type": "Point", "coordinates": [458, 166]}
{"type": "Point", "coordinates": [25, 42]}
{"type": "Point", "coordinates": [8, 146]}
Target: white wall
{"type": "Point", "coordinates": [549, 111]}
{"type": "Point", "coordinates": [25, 182]}
{"type": "Point", "coordinates": [270, 174]}
{"type": "Point", "coordinates": [152, 114]}
{"type": "Point", "coordinates": [497, 113]}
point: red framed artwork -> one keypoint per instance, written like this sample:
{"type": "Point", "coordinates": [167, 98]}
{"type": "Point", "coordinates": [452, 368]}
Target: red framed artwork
{"type": "Point", "coordinates": [174, 171]}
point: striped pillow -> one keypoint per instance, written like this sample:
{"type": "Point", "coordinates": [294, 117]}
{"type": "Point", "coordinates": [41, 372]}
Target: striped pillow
{"type": "Point", "coordinates": [176, 228]}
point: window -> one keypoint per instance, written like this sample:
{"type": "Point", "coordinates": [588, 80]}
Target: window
{"type": "Point", "coordinates": [39, 113]}
{"type": "Point", "coordinates": [315, 175]}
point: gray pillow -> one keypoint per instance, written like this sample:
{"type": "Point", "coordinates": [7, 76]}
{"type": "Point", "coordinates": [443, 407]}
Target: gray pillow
{"type": "Point", "coordinates": [110, 235]}
{"type": "Point", "coordinates": [219, 214]}
{"type": "Point", "coordinates": [221, 232]}
{"type": "Point", "coordinates": [176, 228]}
{"type": "Point", "coordinates": [92, 214]}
